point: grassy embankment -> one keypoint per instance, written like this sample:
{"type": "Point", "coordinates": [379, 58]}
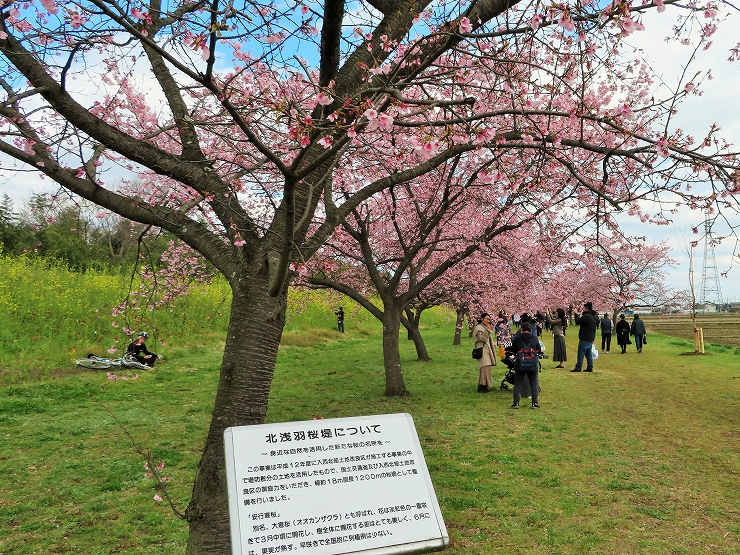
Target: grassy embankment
{"type": "Point", "coordinates": [640, 457]}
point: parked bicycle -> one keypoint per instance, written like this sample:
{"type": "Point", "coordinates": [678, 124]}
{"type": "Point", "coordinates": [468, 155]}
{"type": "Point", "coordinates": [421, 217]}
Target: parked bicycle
{"type": "Point", "coordinates": [94, 362]}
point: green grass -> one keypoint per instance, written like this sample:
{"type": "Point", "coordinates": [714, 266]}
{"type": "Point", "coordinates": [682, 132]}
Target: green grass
{"type": "Point", "coordinates": [53, 316]}
{"type": "Point", "coordinates": [640, 457]}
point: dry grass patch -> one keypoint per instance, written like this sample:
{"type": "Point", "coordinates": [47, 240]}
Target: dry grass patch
{"type": "Point", "coordinates": [309, 337]}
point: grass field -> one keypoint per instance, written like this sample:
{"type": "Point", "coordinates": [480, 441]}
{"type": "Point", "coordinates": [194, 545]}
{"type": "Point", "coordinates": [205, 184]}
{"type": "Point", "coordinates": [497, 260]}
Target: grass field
{"type": "Point", "coordinates": [640, 457]}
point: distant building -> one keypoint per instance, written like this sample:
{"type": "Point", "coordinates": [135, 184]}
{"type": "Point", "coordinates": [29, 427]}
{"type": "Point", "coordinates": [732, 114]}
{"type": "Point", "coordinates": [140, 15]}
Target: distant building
{"type": "Point", "coordinates": [641, 310]}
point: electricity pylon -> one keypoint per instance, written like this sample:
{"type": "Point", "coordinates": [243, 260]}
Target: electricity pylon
{"type": "Point", "coordinates": [711, 292]}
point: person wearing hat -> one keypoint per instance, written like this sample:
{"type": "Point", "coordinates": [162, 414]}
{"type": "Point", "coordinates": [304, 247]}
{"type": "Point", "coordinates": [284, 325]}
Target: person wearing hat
{"type": "Point", "coordinates": [588, 324]}
{"type": "Point", "coordinates": [138, 350]}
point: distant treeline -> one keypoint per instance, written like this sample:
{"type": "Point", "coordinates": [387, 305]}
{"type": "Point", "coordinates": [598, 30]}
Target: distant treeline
{"type": "Point", "coordinates": [75, 233]}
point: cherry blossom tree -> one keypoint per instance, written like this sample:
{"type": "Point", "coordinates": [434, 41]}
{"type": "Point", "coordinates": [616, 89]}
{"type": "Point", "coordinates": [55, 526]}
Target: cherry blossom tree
{"type": "Point", "coordinates": [399, 243]}
{"type": "Point", "coordinates": [635, 270]}
{"type": "Point", "coordinates": [250, 131]}
{"type": "Point", "coordinates": [613, 271]}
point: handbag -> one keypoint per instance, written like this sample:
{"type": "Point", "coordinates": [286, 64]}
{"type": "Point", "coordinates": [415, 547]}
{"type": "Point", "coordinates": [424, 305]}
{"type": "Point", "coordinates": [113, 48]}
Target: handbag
{"type": "Point", "coordinates": [644, 339]}
{"type": "Point", "coordinates": [477, 353]}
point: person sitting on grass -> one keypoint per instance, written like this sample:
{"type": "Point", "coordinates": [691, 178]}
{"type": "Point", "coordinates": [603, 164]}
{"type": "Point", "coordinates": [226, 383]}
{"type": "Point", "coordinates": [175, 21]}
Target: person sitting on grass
{"type": "Point", "coordinates": [138, 350]}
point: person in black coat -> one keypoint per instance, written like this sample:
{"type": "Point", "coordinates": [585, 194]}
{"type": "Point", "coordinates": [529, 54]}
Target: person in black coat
{"type": "Point", "coordinates": [623, 333]}
{"type": "Point", "coordinates": [526, 341]}
{"type": "Point", "coordinates": [606, 333]}
{"type": "Point", "coordinates": [138, 350]}
{"type": "Point", "coordinates": [340, 319]}
{"type": "Point", "coordinates": [588, 323]}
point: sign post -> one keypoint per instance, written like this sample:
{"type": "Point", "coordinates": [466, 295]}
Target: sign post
{"type": "Point", "coordinates": [324, 487]}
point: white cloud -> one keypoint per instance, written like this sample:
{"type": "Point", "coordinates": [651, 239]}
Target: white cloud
{"type": "Point", "coordinates": [21, 185]}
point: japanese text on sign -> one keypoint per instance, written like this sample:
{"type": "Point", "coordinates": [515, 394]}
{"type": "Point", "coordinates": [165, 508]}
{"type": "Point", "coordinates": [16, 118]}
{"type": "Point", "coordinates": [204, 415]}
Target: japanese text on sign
{"type": "Point", "coordinates": [331, 487]}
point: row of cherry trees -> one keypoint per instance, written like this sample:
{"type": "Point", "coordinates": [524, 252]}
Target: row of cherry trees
{"type": "Point", "coordinates": [419, 247]}
{"type": "Point", "coordinates": [259, 133]}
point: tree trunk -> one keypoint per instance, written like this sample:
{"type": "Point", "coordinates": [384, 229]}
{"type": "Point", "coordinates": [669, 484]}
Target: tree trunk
{"type": "Point", "coordinates": [421, 349]}
{"type": "Point", "coordinates": [255, 328]}
{"type": "Point", "coordinates": [412, 327]}
{"type": "Point", "coordinates": [459, 325]}
{"type": "Point", "coordinates": [394, 386]}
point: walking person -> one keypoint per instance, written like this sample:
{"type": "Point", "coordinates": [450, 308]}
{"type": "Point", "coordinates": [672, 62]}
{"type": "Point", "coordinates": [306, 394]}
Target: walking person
{"type": "Point", "coordinates": [638, 330]}
{"type": "Point", "coordinates": [623, 333]}
{"type": "Point", "coordinates": [558, 322]}
{"type": "Point", "coordinates": [586, 336]}
{"type": "Point", "coordinates": [527, 366]}
{"type": "Point", "coordinates": [517, 320]}
{"type": "Point", "coordinates": [482, 336]}
{"type": "Point", "coordinates": [606, 333]}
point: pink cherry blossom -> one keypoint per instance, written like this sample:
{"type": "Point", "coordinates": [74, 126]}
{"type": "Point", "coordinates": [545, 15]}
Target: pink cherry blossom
{"type": "Point", "coordinates": [566, 22]}
{"type": "Point", "coordinates": [324, 99]}
{"type": "Point", "coordinates": [628, 25]}
{"type": "Point", "coordinates": [465, 25]}
{"type": "Point", "coordinates": [274, 39]}
{"type": "Point", "coordinates": [385, 121]}
{"type": "Point", "coordinates": [661, 147]}
{"type": "Point", "coordinates": [50, 5]}
{"type": "Point", "coordinates": [77, 20]}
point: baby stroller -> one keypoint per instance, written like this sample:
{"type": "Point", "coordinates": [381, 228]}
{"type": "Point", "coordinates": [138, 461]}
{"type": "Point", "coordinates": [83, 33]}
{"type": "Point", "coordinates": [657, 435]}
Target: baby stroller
{"type": "Point", "coordinates": [509, 361]}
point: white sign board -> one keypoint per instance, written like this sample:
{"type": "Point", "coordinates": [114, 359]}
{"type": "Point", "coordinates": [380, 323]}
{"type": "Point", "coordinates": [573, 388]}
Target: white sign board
{"type": "Point", "coordinates": [323, 487]}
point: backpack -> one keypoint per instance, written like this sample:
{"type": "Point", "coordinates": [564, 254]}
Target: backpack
{"type": "Point", "coordinates": [527, 360]}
